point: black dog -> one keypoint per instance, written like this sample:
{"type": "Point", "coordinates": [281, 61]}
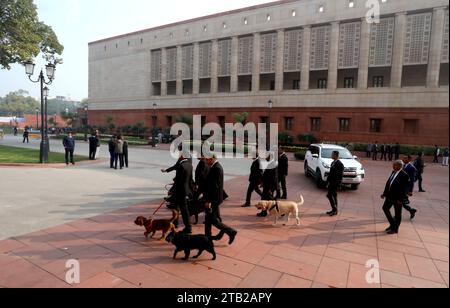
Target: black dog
{"type": "Point", "coordinates": [186, 243]}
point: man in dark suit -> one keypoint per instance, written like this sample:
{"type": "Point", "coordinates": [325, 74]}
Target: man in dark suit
{"type": "Point", "coordinates": [69, 147]}
{"type": "Point", "coordinates": [397, 151]}
{"type": "Point", "coordinates": [182, 190]}
{"type": "Point", "coordinates": [388, 152]}
{"type": "Point", "coordinates": [214, 199]}
{"type": "Point", "coordinates": [94, 142]}
{"type": "Point", "coordinates": [255, 180]}
{"type": "Point", "coordinates": [334, 181]}
{"type": "Point", "coordinates": [111, 148]}
{"type": "Point", "coordinates": [283, 172]}
{"type": "Point", "coordinates": [375, 150]}
{"type": "Point", "coordinates": [383, 152]}
{"type": "Point", "coordinates": [394, 195]}
{"type": "Point", "coordinates": [412, 173]}
{"type": "Point", "coordinates": [270, 183]}
{"type": "Point", "coordinates": [420, 166]}
{"type": "Point", "coordinates": [201, 177]}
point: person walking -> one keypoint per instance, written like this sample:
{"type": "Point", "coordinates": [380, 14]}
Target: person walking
{"type": "Point", "coordinates": [125, 152]}
{"type": "Point", "coordinates": [69, 147]}
{"type": "Point", "coordinates": [283, 172]}
{"type": "Point", "coordinates": [419, 163]}
{"type": "Point", "coordinates": [183, 190]}
{"type": "Point", "coordinates": [118, 152]}
{"type": "Point", "coordinates": [445, 155]}
{"type": "Point", "coordinates": [255, 181]}
{"type": "Point", "coordinates": [369, 150]}
{"type": "Point", "coordinates": [397, 151]}
{"type": "Point", "coordinates": [412, 173]}
{"type": "Point", "coordinates": [436, 154]}
{"type": "Point", "coordinates": [334, 181]}
{"type": "Point", "coordinates": [214, 199]}
{"type": "Point", "coordinates": [15, 131]}
{"type": "Point", "coordinates": [26, 135]}
{"type": "Point", "coordinates": [394, 195]}
{"type": "Point", "coordinates": [389, 152]}
{"type": "Point", "coordinates": [112, 147]}
{"type": "Point", "coordinates": [270, 183]}
{"type": "Point", "coordinates": [201, 177]}
{"type": "Point", "coordinates": [94, 143]}
{"type": "Point", "coordinates": [375, 151]}
{"type": "Point", "coordinates": [383, 152]}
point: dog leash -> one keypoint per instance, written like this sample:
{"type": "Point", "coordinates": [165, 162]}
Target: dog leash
{"type": "Point", "coordinates": [157, 210]}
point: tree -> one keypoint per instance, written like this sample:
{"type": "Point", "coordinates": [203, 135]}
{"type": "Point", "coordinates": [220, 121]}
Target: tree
{"type": "Point", "coordinates": [186, 119]}
{"type": "Point", "coordinates": [241, 117]}
{"type": "Point", "coordinates": [139, 128]}
{"type": "Point", "coordinates": [110, 123]}
{"type": "Point", "coordinates": [17, 104]}
{"type": "Point", "coordinates": [69, 118]}
{"type": "Point", "coordinates": [23, 36]}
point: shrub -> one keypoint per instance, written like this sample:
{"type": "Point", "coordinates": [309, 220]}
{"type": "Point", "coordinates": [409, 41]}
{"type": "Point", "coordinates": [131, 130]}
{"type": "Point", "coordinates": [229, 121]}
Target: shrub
{"type": "Point", "coordinates": [285, 138]}
{"type": "Point", "coordinates": [300, 155]}
{"type": "Point", "coordinates": [307, 138]}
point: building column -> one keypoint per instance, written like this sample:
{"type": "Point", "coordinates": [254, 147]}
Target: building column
{"type": "Point", "coordinates": [196, 79]}
{"type": "Point", "coordinates": [256, 71]}
{"type": "Point", "coordinates": [306, 58]}
{"type": "Point", "coordinates": [214, 67]}
{"type": "Point", "coordinates": [234, 64]}
{"type": "Point", "coordinates": [398, 54]}
{"type": "Point", "coordinates": [279, 70]}
{"type": "Point", "coordinates": [163, 72]}
{"type": "Point", "coordinates": [179, 71]}
{"type": "Point", "coordinates": [334, 54]}
{"type": "Point", "coordinates": [437, 34]}
{"type": "Point", "coordinates": [363, 72]}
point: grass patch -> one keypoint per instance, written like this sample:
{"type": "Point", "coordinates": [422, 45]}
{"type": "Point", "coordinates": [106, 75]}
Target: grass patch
{"type": "Point", "coordinates": [13, 155]}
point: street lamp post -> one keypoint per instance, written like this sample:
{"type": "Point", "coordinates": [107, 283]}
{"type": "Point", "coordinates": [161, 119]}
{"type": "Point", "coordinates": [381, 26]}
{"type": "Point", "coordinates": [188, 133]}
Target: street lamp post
{"type": "Point", "coordinates": [155, 106]}
{"type": "Point", "coordinates": [47, 142]}
{"type": "Point", "coordinates": [86, 125]}
{"type": "Point", "coordinates": [50, 70]}
{"type": "Point", "coordinates": [37, 118]}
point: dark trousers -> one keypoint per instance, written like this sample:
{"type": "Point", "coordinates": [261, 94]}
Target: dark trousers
{"type": "Point", "coordinates": [118, 158]}
{"type": "Point", "coordinates": [69, 152]}
{"type": "Point", "coordinates": [420, 180]}
{"type": "Point", "coordinates": [332, 197]}
{"type": "Point", "coordinates": [282, 187]}
{"type": "Point", "coordinates": [368, 154]}
{"type": "Point", "coordinates": [375, 156]}
{"type": "Point", "coordinates": [26, 139]}
{"type": "Point", "coordinates": [391, 156]}
{"type": "Point", "coordinates": [184, 210]}
{"type": "Point", "coordinates": [436, 159]}
{"type": "Point", "coordinates": [125, 158]}
{"type": "Point", "coordinates": [267, 195]}
{"type": "Point", "coordinates": [92, 152]}
{"type": "Point", "coordinates": [111, 159]}
{"type": "Point", "coordinates": [383, 156]}
{"type": "Point", "coordinates": [213, 219]}
{"type": "Point", "coordinates": [407, 205]}
{"type": "Point", "coordinates": [398, 207]}
{"type": "Point", "coordinates": [252, 187]}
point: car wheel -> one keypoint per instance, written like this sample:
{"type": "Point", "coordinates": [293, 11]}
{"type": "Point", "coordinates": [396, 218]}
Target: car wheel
{"type": "Point", "coordinates": [320, 183]}
{"type": "Point", "coordinates": [306, 170]}
{"type": "Point", "coordinates": [355, 186]}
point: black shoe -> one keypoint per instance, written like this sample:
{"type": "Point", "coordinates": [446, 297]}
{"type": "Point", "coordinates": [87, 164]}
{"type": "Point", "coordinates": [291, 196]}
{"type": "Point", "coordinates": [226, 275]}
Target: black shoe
{"type": "Point", "coordinates": [334, 213]}
{"type": "Point", "coordinates": [246, 205]}
{"type": "Point", "coordinates": [388, 229]}
{"type": "Point", "coordinates": [330, 212]}
{"type": "Point", "coordinates": [218, 237]}
{"type": "Point", "coordinates": [262, 214]}
{"type": "Point", "coordinates": [422, 190]}
{"type": "Point", "coordinates": [232, 238]}
{"type": "Point", "coordinates": [391, 232]}
{"type": "Point", "coordinates": [187, 231]}
{"type": "Point", "coordinates": [413, 214]}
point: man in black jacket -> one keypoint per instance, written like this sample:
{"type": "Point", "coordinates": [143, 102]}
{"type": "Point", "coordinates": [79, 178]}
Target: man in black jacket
{"type": "Point", "coordinates": [394, 195]}
{"type": "Point", "coordinates": [283, 172]}
{"type": "Point", "coordinates": [94, 143]}
{"type": "Point", "coordinates": [182, 190]}
{"type": "Point", "coordinates": [214, 198]}
{"type": "Point", "coordinates": [270, 183]}
{"type": "Point", "coordinates": [334, 181]}
{"type": "Point", "coordinates": [255, 180]}
{"type": "Point", "coordinates": [201, 177]}
{"type": "Point", "coordinates": [69, 146]}
{"type": "Point", "coordinates": [111, 148]}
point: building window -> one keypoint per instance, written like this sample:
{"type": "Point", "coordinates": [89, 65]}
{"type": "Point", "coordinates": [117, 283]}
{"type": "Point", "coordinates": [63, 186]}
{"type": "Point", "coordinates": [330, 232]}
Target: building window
{"type": "Point", "coordinates": [205, 29]}
{"type": "Point", "coordinates": [224, 25]}
{"type": "Point", "coordinates": [221, 120]}
{"type": "Point", "coordinates": [375, 125]}
{"type": "Point", "coordinates": [316, 124]}
{"type": "Point", "coordinates": [378, 82]}
{"type": "Point", "coordinates": [289, 123]}
{"type": "Point", "coordinates": [321, 84]}
{"type": "Point", "coordinates": [187, 32]}
{"type": "Point", "coordinates": [344, 124]}
{"type": "Point", "coordinates": [296, 84]}
{"type": "Point", "coordinates": [349, 82]}
{"type": "Point", "coordinates": [411, 127]}
{"type": "Point", "coordinates": [142, 41]}
{"type": "Point", "coordinates": [169, 121]}
{"type": "Point", "coordinates": [272, 85]}
{"type": "Point", "coordinates": [128, 43]}
{"type": "Point", "coordinates": [171, 35]}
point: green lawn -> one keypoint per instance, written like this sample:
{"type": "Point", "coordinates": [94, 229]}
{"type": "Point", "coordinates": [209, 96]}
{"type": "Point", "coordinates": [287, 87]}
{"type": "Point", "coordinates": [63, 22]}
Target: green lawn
{"type": "Point", "coordinates": [13, 155]}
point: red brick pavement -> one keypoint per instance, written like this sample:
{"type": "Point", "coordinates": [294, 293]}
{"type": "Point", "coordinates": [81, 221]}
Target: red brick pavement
{"type": "Point", "coordinates": [323, 252]}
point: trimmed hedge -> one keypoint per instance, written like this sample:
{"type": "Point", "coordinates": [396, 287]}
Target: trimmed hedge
{"type": "Point", "coordinates": [300, 155]}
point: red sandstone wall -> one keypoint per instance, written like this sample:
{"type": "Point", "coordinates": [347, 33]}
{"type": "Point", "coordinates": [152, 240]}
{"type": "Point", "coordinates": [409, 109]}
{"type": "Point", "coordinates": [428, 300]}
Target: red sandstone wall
{"type": "Point", "coordinates": [433, 123]}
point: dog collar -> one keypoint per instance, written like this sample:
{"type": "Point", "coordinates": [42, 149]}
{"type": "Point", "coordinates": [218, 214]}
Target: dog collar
{"type": "Point", "coordinates": [274, 207]}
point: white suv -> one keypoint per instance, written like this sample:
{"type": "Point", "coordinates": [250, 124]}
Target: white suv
{"type": "Point", "coordinates": [318, 163]}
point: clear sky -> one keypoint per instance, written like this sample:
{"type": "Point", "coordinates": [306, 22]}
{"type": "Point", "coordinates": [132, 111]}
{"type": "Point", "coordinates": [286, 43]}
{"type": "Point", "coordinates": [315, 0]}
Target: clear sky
{"type": "Point", "coordinates": [78, 22]}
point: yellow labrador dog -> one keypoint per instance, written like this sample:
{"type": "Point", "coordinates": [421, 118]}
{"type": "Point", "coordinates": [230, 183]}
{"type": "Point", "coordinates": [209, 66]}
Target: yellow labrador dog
{"type": "Point", "coordinates": [281, 209]}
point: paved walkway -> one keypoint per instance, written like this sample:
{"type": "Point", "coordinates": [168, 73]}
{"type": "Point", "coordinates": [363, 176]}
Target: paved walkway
{"type": "Point", "coordinates": [322, 252]}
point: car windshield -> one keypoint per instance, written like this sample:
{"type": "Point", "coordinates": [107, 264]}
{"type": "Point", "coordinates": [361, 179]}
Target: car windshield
{"type": "Point", "coordinates": [343, 154]}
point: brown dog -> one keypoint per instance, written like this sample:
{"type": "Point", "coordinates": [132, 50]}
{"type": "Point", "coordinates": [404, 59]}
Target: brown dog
{"type": "Point", "coordinates": [152, 226]}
